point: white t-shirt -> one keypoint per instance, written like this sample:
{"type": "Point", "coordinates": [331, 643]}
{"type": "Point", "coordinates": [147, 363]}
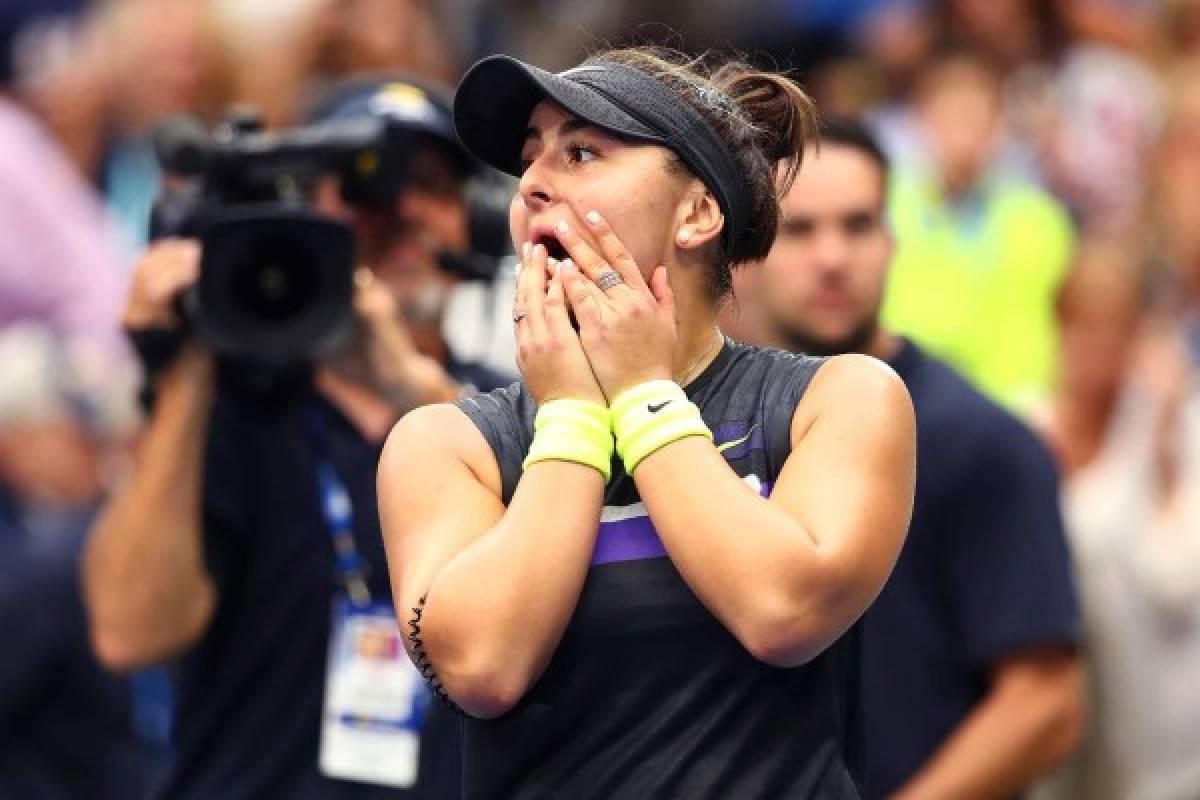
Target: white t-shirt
{"type": "Point", "coordinates": [1137, 564]}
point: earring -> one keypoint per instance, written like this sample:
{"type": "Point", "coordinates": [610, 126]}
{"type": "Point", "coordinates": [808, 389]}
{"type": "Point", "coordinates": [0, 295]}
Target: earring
{"type": "Point", "coordinates": [683, 237]}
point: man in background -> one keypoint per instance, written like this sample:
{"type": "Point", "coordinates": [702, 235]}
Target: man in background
{"type": "Point", "coordinates": [971, 684]}
{"type": "Point", "coordinates": [246, 545]}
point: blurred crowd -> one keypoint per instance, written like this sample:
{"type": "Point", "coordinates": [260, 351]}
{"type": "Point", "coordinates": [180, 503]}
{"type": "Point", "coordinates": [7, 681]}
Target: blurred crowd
{"type": "Point", "coordinates": [1045, 198]}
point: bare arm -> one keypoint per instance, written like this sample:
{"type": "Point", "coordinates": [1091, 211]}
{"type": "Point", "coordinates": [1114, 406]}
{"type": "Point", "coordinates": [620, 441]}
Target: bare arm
{"type": "Point", "coordinates": [786, 576]}
{"type": "Point", "coordinates": [500, 584]}
{"type": "Point", "coordinates": [147, 593]}
{"type": "Point", "coordinates": [1030, 720]}
{"type": "Point", "coordinates": [789, 575]}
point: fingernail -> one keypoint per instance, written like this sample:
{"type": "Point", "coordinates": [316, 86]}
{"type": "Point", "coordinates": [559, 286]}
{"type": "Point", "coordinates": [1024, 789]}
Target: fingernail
{"type": "Point", "coordinates": [552, 261]}
{"type": "Point", "coordinates": [525, 250]}
{"type": "Point", "coordinates": [568, 263]}
{"type": "Point", "coordinates": [563, 227]}
{"type": "Point", "coordinates": [593, 218]}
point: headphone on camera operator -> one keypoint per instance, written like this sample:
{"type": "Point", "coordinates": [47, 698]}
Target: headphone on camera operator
{"type": "Point", "coordinates": [377, 177]}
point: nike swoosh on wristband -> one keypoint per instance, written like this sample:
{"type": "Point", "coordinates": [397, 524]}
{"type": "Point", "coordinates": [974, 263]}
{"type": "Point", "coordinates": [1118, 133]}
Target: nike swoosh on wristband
{"type": "Point", "coordinates": [654, 408]}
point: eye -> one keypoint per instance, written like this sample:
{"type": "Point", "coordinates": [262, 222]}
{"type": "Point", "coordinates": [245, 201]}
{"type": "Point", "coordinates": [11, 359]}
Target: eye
{"type": "Point", "coordinates": [860, 223]}
{"type": "Point", "coordinates": [578, 153]}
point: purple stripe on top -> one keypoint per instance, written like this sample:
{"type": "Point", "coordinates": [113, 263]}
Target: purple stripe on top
{"type": "Point", "coordinates": [634, 538]}
{"type": "Point", "coordinates": [627, 540]}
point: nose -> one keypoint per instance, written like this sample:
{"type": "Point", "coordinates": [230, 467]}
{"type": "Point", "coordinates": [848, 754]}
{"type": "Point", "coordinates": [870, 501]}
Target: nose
{"type": "Point", "coordinates": [406, 204]}
{"type": "Point", "coordinates": [832, 250]}
{"type": "Point", "coordinates": [535, 187]}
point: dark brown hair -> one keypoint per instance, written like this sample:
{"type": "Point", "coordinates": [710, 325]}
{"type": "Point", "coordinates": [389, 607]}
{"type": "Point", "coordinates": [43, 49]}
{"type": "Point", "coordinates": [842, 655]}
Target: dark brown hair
{"type": "Point", "coordinates": [763, 118]}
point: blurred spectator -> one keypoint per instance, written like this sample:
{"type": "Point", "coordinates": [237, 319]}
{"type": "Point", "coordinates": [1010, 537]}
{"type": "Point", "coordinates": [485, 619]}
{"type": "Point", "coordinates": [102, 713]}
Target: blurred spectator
{"type": "Point", "coordinates": [1124, 423]}
{"type": "Point", "coordinates": [971, 686]}
{"type": "Point", "coordinates": [252, 509]}
{"type": "Point", "coordinates": [557, 34]}
{"type": "Point", "coordinates": [65, 724]}
{"type": "Point", "coordinates": [63, 75]}
{"type": "Point", "coordinates": [1010, 33]}
{"type": "Point", "coordinates": [1177, 32]}
{"type": "Point", "coordinates": [1016, 36]}
{"type": "Point", "coordinates": [980, 252]}
{"type": "Point", "coordinates": [51, 453]}
{"type": "Point", "coordinates": [58, 256]}
{"type": "Point", "coordinates": [1081, 109]}
{"type": "Point", "coordinates": [1123, 24]}
{"type": "Point", "coordinates": [1174, 206]}
{"type": "Point", "coordinates": [192, 74]}
{"type": "Point", "coordinates": [91, 83]}
{"type": "Point", "coordinates": [289, 51]}
{"type": "Point", "coordinates": [374, 36]}
{"type": "Point", "coordinates": [1104, 117]}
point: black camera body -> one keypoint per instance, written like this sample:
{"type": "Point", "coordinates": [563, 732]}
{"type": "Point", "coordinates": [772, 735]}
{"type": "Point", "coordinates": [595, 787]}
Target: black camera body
{"type": "Point", "coordinates": [276, 278]}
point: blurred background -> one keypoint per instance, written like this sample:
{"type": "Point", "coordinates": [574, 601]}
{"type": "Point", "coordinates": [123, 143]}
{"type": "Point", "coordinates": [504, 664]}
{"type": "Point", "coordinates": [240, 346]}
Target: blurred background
{"type": "Point", "coordinates": [1046, 200]}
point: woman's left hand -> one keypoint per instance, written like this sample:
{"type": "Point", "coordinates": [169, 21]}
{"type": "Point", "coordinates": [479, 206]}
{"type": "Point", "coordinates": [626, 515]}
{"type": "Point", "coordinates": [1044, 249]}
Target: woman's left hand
{"type": "Point", "coordinates": [627, 330]}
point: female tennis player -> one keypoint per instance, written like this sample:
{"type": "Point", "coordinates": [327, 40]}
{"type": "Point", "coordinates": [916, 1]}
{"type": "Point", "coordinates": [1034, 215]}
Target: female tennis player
{"type": "Point", "coordinates": [635, 571]}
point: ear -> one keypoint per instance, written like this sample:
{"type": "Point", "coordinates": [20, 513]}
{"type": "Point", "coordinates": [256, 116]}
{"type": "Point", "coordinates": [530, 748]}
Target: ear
{"type": "Point", "coordinates": [698, 219]}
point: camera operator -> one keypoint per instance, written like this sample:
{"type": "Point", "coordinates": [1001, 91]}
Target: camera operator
{"type": "Point", "coordinates": [218, 552]}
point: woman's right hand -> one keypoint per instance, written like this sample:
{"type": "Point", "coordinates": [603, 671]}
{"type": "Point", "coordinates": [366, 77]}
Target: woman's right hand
{"type": "Point", "coordinates": [549, 352]}
{"type": "Point", "coordinates": [165, 270]}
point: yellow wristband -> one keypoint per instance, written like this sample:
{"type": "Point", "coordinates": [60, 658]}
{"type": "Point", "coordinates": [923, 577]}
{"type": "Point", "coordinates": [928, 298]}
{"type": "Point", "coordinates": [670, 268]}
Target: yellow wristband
{"type": "Point", "coordinates": [651, 415]}
{"type": "Point", "coordinates": [573, 430]}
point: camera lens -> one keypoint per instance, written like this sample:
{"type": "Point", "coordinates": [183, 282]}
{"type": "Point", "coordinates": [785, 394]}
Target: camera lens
{"type": "Point", "coordinates": [275, 284]}
{"type": "Point", "coordinates": [275, 281]}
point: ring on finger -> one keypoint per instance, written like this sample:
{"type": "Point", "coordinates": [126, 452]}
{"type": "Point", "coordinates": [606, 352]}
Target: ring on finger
{"type": "Point", "coordinates": [607, 280]}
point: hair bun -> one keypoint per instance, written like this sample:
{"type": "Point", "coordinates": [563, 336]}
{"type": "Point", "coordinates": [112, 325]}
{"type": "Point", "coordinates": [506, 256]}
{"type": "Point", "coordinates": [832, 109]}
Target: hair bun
{"type": "Point", "coordinates": [763, 118]}
{"type": "Point", "coordinates": [779, 110]}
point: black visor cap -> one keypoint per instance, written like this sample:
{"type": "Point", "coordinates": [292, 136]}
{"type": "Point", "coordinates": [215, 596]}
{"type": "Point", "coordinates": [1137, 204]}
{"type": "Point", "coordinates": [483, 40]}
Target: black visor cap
{"type": "Point", "coordinates": [497, 96]}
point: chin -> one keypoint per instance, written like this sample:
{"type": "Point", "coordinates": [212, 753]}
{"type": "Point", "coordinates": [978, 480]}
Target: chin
{"type": "Point", "coordinates": [831, 343]}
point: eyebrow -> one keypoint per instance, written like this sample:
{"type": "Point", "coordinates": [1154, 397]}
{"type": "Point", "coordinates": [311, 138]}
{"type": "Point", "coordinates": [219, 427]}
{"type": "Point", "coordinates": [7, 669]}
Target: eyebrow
{"type": "Point", "coordinates": [789, 219]}
{"type": "Point", "coordinates": [793, 221]}
{"type": "Point", "coordinates": [572, 125]}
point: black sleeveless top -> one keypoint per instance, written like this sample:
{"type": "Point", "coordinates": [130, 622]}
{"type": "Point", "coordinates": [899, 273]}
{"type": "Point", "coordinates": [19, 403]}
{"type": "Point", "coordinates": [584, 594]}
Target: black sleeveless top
{"type": "Point", "coordinates": [648, 695]}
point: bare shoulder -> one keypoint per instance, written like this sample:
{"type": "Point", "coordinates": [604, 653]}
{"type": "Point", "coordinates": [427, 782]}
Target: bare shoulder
{"type": "Point", "coordinates": [432, 437]}
{"type": "Point", "coordinates": [855, 387]}
{"type": "Point", "coordinates": [857, 372]}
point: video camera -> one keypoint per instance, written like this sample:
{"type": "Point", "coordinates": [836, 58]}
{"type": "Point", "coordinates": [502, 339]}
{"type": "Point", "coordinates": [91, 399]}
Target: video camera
{"type": "Point", "coordinates": [276, 277]}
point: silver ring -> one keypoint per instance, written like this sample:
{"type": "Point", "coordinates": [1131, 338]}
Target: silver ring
{"type": "Point", "coordinates": [518, 316]}
{"type": "Point", "coordinates": [608, 280]}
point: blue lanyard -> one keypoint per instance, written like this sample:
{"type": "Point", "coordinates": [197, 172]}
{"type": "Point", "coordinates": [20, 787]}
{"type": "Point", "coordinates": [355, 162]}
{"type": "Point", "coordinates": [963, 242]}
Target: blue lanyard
{"type": "Point", "coordinates": [338, 510]}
